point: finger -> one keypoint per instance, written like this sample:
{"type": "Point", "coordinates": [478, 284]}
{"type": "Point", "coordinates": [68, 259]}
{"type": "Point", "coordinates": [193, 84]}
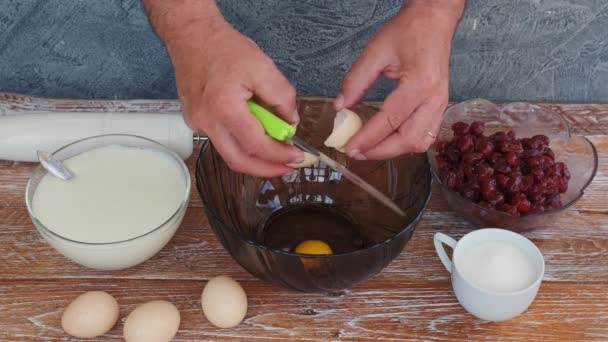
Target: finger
{"type": "Point", "coordinates": [359, 79]}
{"type": "Point", "coordinates": [397, 107]}
{"type": "Point", "coordinates": [415, 135]}
{"type": "Point", "coordinates": [276, 92]}
{"type": "Point", "coordinates": [250, 135]}
{"type": "Point", "coordinates": [241, 162]}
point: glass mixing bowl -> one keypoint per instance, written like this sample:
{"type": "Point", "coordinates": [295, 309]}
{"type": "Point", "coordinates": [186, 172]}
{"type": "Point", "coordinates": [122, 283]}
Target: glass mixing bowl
{"type": "Point", "coordinates": [526, 120]}
{"type": "Point", "coordinates": [113, 255]}
{"type": "Point", "coordinates": [240, 209]}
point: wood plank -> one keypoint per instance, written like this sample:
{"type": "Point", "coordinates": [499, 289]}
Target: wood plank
{"type": "Point", "coordinates": [583, 118]}
{"type": "Point", "coordinates": [405, 311]}
{"type": "Point", "coordinates": [195, 253]}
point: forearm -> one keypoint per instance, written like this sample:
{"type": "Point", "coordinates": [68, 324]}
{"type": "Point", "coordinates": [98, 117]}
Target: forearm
{"type": "Point", "coordinates": [174, 19]}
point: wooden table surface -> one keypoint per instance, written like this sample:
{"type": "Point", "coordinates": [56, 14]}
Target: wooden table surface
{"type": "Point", "coordinates": [410, 300]}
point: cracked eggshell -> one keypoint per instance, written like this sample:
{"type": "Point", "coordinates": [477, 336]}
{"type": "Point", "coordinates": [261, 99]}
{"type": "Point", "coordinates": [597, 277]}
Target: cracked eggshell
{"type": "Point", "coordinates": [346, 124]}
{"type": "Point", "coordinates": [309, 159]}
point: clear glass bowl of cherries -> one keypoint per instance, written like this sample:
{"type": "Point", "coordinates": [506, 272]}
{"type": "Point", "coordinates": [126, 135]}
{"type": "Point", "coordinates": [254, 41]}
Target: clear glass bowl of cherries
{"type": "Point", "coordinates": [516, 168]}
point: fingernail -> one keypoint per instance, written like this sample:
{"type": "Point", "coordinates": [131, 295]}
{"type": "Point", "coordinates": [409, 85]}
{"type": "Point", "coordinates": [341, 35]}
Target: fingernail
{"type": "Point", "coordinates": [288, 173]}
{"type": "Point", "coordinates": [356, 154]}
{"type": "Point", "coordinates": [295, 117]}
{"type": "Point", "coordinates": [359, 156]}
{"type": "Point", "coordinates": [339, 102]}
{"type": "Point", "coordinates": [299, 158]}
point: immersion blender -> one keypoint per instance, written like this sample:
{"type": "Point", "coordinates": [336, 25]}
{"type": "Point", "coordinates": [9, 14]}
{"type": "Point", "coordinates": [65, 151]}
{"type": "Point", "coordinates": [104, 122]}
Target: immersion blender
{"type": "Point", "coordinates": [21, 135]}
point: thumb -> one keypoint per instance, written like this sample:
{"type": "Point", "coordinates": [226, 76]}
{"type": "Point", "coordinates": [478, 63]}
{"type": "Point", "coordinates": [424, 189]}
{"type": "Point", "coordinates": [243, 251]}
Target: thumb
{"type": "Point", "coordinates": [360, 78]}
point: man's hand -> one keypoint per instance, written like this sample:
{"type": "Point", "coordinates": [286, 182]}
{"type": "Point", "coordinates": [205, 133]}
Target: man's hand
{"type": "Point", "coordinates": [217, 70]}
{"type": "Point", "coordinates": [414, 49]}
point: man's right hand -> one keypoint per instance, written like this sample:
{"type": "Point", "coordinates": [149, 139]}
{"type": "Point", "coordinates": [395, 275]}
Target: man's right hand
{"type": "Point", "coordinates": [217, 70]}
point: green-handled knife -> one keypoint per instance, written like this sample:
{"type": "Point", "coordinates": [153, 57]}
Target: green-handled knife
{"type": "Point", "coordinates": [280, 130]}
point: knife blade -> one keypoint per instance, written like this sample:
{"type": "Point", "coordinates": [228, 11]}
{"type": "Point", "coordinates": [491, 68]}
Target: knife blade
{"type": "Point", "coordinates": [370, 189]}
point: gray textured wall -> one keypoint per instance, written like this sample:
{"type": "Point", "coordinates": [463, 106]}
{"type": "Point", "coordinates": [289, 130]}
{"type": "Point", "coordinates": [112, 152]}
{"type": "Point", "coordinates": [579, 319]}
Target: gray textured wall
{"type": "Point", "coordinates": [503, 50]}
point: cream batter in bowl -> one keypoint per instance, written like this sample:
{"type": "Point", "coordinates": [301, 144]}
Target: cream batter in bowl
{"type": "Point", "coordinates": [126, 202]}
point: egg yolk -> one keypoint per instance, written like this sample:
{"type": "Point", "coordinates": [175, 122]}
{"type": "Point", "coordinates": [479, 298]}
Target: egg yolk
{"type": "Point", "coordinates": [313, 247]}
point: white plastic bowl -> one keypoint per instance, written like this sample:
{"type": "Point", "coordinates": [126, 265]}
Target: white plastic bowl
{"type": "Point", "coordinates": [120, 254]}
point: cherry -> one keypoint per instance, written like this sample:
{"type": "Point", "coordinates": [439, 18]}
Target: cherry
{"type": "Point", "coordinates": [502, 166]}
{"type": "Point", "coordinates": [538, 199]}
{"type": "Point", "coordinates": [460, 175]}
{"type": "Point", "coordinates": [499, 137]}
{"type": "Point", "coordinates": [527, 183]}
{"type": "Point", "coordinates": [452, 154]}
{"type": "Point", "coordinates": [440, 147]}
{"type": "Point", "coordinates": [537, 173]}
{"type": "Point", "coordinates": [536, 144]}
{"type": "Point", "coordinates": [487, 186]}
{"type": "Point", "coordinates": [477, 128]}
{"type": "Point", "coordinates": [532, 153]}
{"type": "Point", "coordinates": [514, 184]}
{"type": "Point", "coordinates": [460, 128]}
{"type": "Point", "coordinates": [442, 163]}
{"type": "Point", "coordinates": [554, 202]}
{"type": "Point", "coordinates": [465, 143]}
{"type": "Point", "coordinates": [511, 135]}
{"type": "Point", "coordinates": [470, 194]}
{"type": "Point", "coordinates": [513, 159]}
{"type": "Point", "coordinates": [536, 209]}
{"type": "Point", "coordinates": [548, 152]}
{"type": "Point", "coordinates": [567, 175]}
{"type": "Point", "coordinates": [516, 172]}
{"type": "Point", "coordinates": [546, 160]}
{"type": "Point", "coordinates": [562, 170]}
{"type": "Point", "coordinates": [512, 147]}
{"type": "Point", "coordinates": [469, 171]}
{"type": "Point", "coordinates": [484, 172]}
{"type": "Point", "coordinates": [449, 179]}
{"type": "Point", "coordinates": [472, 157]}
{"type": "Point", "coordinates": [486, 148]}
{"type": "Point", "coordinates": [552, 185]}
{"type": "Point", "coordinates": [502, 180]}
{"type": "Point", "coordinates": [536, 189]}
{"type": "Point", "coordinates": [494, 197]}
{"type": "Point", "coordinates": [533, 162]}
{"type": "Point", "coordinates": [563, 187]}
{"type": "Point", "coordinates": [495, 157]}
{"type": "Point", "coordinates": [553, 170]}
{"type": "Point", "coordinates": [509, 209]}
{"type": "Point", "coordinates": [542, 138]}
{"type": "Point", "coordinates": [522, 204]}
